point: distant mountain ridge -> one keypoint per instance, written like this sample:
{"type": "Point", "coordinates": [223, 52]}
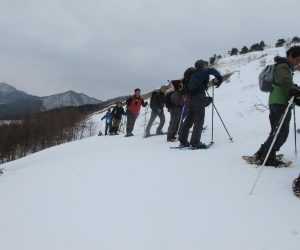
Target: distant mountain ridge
{"type": "Point", "coordinates": [9, 94]}
{"type": "Point", "coordinates": [69, 98]}
{"type": "Point", "coordinates": [16, 102]}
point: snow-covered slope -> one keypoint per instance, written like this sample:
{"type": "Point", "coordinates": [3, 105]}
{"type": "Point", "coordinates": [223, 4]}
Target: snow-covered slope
{"type": "Point", "coordinates": [134, 193]}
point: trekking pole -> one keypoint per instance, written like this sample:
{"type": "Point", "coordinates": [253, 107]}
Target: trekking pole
{"type": "Point", "coordinates": [180, 122]}
{"type": "Point", "coordinates": [273, 142]}
{"type": "Point", "coordinates": [122, 127]}
{"type": "Point", "coordinates": [212, 115]}
{"type": "Point", "coordinates": [295, 132]}
{"type": "Point", "coordinates": [100, 133]}
{"type": "Point", "coordinates": [146, 109]}
{"type": "Point", "coordinates": [124, 124]}
{"type": "Point", "coordinates": [230, 138]}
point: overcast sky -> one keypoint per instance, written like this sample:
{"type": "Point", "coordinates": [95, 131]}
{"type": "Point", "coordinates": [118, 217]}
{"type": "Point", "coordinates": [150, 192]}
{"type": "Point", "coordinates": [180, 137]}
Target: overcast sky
{"type": "Point", "coordinates": [106, 48]}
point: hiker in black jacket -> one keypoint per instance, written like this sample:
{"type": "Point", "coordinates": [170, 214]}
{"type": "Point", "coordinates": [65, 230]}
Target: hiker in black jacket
{"type": "Point", "coordinates": [157, 103]}
{"type": "Point", "coordinates": [195, 88]}
{"type": "Point", "coordinates": [117, 114]}
{"type": "Point", "coordinates": [176, 105]}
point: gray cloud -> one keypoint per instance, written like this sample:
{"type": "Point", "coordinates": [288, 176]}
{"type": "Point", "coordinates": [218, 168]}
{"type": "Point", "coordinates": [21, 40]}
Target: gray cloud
{"type": "Point", "coordinates": [108, 48]}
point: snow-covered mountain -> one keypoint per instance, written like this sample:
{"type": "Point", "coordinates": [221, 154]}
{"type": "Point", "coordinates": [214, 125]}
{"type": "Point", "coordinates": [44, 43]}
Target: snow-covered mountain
{"type": "Point", "coordinates": [69, 98]}
{"type": "Point", "coordinates": [134, 193]}
{"type": "Point", "coordinates": [15, 102]}
{"type": "Point", "coordinates": [9, 94]}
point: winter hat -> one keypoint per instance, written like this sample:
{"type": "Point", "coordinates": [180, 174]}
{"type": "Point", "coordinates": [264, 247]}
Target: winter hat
{"type": "Point", "coordinates": [176, 84]}
{"type": "Point", "coordinates": [200, 64]}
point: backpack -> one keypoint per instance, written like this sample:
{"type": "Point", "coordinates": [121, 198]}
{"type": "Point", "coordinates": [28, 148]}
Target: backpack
{"type": "Point", "coordinates": [186, 78]}
{"type": "Point", "coordinates": [152, 98]}
{"type": "Point", "coordinates": [194, 85]}
{"type": "Point", "coordinates": [266, 78]}
{"type": "Point", "coordinates": [169, 104]}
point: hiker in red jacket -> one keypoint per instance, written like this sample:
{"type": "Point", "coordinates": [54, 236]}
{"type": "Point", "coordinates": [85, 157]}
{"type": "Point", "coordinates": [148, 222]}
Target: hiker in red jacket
{"type": "Point", "coordinates": [134, 104]}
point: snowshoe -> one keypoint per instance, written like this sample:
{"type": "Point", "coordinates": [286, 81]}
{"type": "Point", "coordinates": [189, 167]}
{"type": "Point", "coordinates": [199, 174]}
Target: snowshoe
{"type": "Point", "coordinates": [277, 163]}
{"type": "Point", "coordinates": [253, 159]}
{"type": "Point", "coordinates": [191, 147]}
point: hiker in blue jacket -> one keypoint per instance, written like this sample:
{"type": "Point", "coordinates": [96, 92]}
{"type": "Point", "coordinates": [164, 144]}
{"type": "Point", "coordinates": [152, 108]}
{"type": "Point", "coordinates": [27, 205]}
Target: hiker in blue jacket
{"type": "Point", "coordinates": [195, 88]}
{"type": "Point", "coordinates": [108, 120]}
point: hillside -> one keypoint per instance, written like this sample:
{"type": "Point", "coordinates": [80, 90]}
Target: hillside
{"type": "Point", "coordinates": [133, 193]}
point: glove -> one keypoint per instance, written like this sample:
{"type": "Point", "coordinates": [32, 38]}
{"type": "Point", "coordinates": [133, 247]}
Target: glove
{"type": "Point", "coordinates": [146, 104]}
{"type": "Point", "coordinates": [216, 83]}
{"type": "Point", "coordinates": [297, 101]}
{"type": "Point", "coordinates": [159, 111]}
{"type": "Point", "coordinates": [208, 101]}
{"type": "Point", "coordinates": [294, 92]}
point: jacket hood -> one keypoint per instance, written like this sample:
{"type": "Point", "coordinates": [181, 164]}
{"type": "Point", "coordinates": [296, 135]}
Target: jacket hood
{"type": "Point", "coordinates": [279, 59]}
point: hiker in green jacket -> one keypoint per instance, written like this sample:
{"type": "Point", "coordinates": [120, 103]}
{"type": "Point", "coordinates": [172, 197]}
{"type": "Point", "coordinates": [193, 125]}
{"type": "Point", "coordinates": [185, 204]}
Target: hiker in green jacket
{"type": "Point", "coordinates": [283, 89]}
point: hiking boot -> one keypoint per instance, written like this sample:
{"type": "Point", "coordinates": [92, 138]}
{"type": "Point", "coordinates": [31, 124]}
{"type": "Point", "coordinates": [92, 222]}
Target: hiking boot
{"type": "Point", "coordinates": [171, 139]}
{"type": "Point", "coordinates": [129, 134]}
{"type": "Point", "coordinates": [199, 145]}
{"type": "Point", "coordinates": [296, 186]}
{"type": "Point", "coordinates": [146, 135]}
{"type": "Point", "coordinates": [184, 144]}
{"type": "Point", "coordinates": [160, 133]}
{"type": "Point", "coordinates": [258, 158]}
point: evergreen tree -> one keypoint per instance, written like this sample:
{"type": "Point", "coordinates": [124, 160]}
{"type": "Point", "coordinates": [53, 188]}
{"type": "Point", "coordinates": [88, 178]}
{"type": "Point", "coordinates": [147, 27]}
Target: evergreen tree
{"type": "Point", "coordinates": [280, 42]}
{"type": "Point", "coordinates": [296, 39]}
{"type": "Point", "coordinates": [244, 50]}
{"type": "Point", "coordinates": [262, 45]}
{"type": "Point", "coordinates": [255, 47]}
{"type": "Point", "coordinates": [212, 59]}
{"type": "Point", "coordinates": [234, 51]}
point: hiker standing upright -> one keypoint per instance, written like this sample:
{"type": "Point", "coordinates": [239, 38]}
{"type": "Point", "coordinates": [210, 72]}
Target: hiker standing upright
{"type": "Point", "coordinates": [117, 114]}
{"type": "Point", "coordinates": [195, 88]}
{"type": "Point", "coordinates": [175, 109]}
{"type": "Point", "coordinates": [283, 89]}
{"type": "Point", "coordinates": [108, 120]}
{"type": "Point", "coordinates": [157, 103]}
{"type": "Point", "coordinates": [134, 104]}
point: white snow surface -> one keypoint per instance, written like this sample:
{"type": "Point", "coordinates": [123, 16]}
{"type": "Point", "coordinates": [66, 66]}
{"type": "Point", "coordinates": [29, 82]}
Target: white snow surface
{"type": "Point", "coordinates": [113, 193]}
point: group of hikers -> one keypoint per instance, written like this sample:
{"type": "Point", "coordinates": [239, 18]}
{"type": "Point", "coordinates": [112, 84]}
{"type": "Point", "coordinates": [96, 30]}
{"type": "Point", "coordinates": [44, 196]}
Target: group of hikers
{"type": "Point", "coordinates": [186, 103]}
{"type": "Point", "coordinates": [189, 98]}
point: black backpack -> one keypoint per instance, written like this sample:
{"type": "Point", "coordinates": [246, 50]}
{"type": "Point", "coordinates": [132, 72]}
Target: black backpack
{"type": "Point", "coordinates": [196, 84]}
{"type": "Point", "coordinates": [169, 104]}
{"type": "Point", "coordinates": [188, 77]}
{"type": "Point", "coordinates": [154, 93]}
